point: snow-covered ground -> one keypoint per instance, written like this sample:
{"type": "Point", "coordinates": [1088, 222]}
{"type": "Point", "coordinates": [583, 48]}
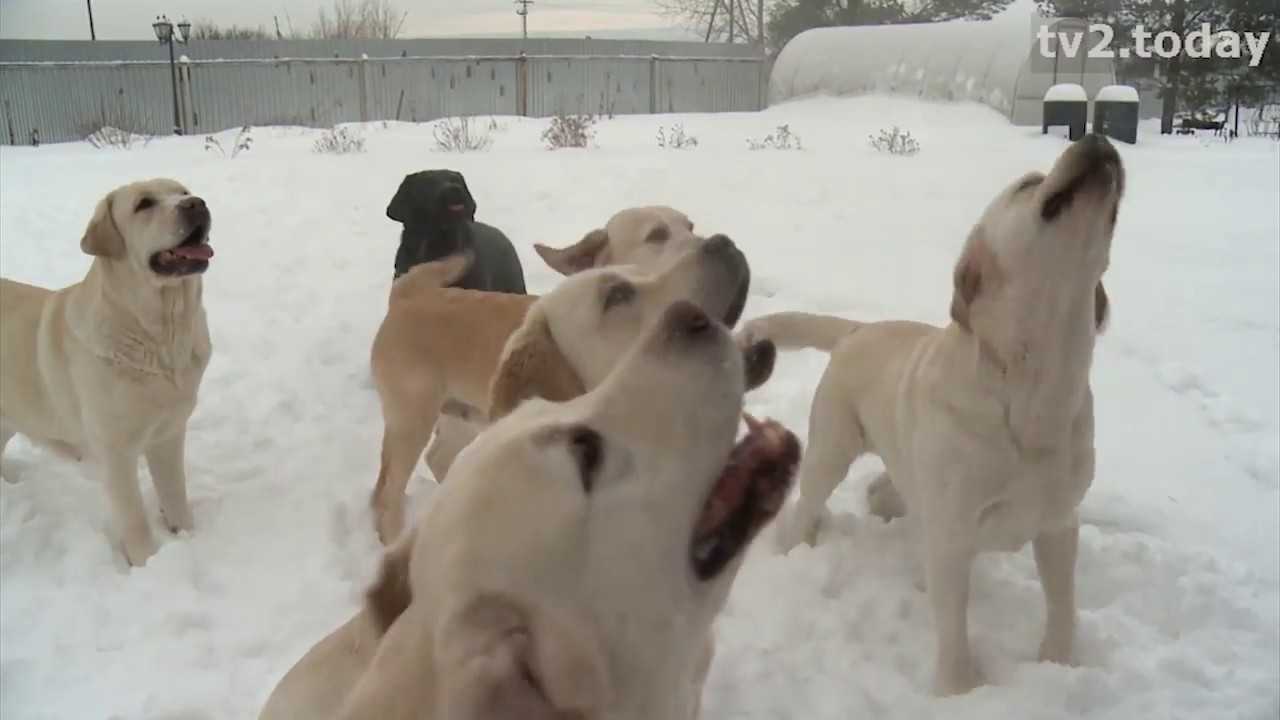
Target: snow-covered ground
{"type": "Point", "coordinates": [1179, 570]}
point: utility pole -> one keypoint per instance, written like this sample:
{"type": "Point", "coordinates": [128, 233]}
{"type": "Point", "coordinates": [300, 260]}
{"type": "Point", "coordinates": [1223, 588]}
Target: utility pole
{"type": "Point", "coordinates": [522, 9]}
{"type": "Point", "coordinates": [93, 35]}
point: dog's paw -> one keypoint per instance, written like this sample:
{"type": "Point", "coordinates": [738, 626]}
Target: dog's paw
{"type": "Point", "coordinates": [958, 678]}
{"type": "Point", "coordinates": [796, 525]}
{"type": "Point", "coordinates": [1056, 648]}
{"type": "Point", "coordinates": [178, 520]}
{"type": "Point", "coordinates": [139, 546]}
{"type": "Point", "coordinates": [884, 500]}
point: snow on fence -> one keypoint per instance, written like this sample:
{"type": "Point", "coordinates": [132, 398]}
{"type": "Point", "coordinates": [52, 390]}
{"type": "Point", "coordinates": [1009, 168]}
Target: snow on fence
{"type": "Point", "coordinates": [62, 101]}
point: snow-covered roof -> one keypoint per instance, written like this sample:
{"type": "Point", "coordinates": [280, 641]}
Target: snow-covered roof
{"type": "Point", "coordinates": [1066, 92]}
{"type": "Point", "coordinates": [1117, 93]}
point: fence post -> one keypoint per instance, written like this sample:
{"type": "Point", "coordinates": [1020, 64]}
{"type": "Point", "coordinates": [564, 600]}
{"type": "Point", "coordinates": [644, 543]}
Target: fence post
{"type": "Point", "coordinates": [186, 114]}
{"type": "Point", "coordinates": [762, 83]}
{"type": "Point", "coordinates": [522, 85]}
{"type": "Point", "coordinates": [362, 67]}
{"type": "Point", "coordinates": [653, 84]}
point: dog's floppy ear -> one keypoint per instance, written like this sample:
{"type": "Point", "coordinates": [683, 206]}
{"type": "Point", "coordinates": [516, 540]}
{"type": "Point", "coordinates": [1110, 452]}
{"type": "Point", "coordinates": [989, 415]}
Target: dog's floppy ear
{"type": "Point", "coordinates": [975, 272]}
{"type": "Point", "coordinates": [499, 661]}
{"type": "Point", "coordinates": [967, 281]}
{"type": "Point", "coordinates": [1101, 308]}
{"type": "Point", "coordinates": [580, 256]}
{"type": "Point", "coordinates": [471, 200]}
{"type": "Point", "coordinates": [531, 365]}
{"type": "Point", "coordinates": [400, 208]}
{"type": "Point", "coordinates": [103, 238]}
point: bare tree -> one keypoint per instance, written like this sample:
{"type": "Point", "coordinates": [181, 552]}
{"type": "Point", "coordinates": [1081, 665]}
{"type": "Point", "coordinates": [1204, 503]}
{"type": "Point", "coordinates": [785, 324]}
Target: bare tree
{"type": "Point", "coordinates": [205, 29]}
{"type": "Point", "coordinates": [711, 18]}
{"type": "Point", "coordinates": [367, 19]}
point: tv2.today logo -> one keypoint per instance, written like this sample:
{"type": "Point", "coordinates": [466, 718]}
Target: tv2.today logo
{"type": "Point", "coordinates": [1199, 44]}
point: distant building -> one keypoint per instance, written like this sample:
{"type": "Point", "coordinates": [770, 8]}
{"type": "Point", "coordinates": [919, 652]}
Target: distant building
{"type": "Point", "coordinates": [997, 62]}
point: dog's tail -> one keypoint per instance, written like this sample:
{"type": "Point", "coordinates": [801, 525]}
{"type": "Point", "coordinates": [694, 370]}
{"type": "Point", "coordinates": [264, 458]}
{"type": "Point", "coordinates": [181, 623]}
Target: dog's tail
{"type": "Point", "coordinates": [436, 274]}
{"type": "Point", "coordinates": [797, 330]}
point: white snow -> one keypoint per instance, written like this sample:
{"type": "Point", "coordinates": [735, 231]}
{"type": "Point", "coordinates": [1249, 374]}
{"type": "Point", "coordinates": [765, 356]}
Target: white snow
{"type": "Point", "coordinates": [1066, 92]}
{"type": "Point", "coordinates": [1118, 93]}
{"type": "Point", "coordinates": [1179, 570]}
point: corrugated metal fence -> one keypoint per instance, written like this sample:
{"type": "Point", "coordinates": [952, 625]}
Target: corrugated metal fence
{"type": "Point", "coordinates": [64, 101]}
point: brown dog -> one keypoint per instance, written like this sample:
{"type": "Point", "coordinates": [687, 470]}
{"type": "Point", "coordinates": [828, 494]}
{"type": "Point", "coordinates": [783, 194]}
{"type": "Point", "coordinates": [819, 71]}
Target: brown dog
{"type": "Point", "coordinates": [440, 347]}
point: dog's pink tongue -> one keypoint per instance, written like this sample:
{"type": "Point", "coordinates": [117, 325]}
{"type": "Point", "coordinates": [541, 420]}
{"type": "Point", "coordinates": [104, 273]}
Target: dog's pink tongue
{"type": "Point", "coordinates": [203, 251]}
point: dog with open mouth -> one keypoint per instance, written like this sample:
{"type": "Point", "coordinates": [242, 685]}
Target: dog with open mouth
{"type": "Point", "coordinates": [575, 563]}
{"type": "Point", "coordinates": [985, 426]}
{"type": "Point", "coordinates": [107, 370]}
{"type": "Point", "coordinates": [439, 217]}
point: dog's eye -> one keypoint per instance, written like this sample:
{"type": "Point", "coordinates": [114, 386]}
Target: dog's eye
{"type": "Point", "coordinates": [144, 204]}
{"type": "Point", "coordinates": [619, 294]}
{"type": "Point", "coordinates": [587, 448]}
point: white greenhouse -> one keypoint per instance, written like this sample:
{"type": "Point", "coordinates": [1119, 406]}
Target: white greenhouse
{"type": "Point", "coordinates": [997, 62]}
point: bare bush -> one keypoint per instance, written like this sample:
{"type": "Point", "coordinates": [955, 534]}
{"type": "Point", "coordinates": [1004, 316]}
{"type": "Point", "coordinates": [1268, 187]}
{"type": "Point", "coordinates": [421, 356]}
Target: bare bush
{"type": "Point", "coordinates": [895, 141]}
{"type": "Point", "coordinates": [205, 29]}
{"type": "Point", "coordinates": [460, 134]}
{"type": "Point", "coordinates": [569, 131]}
{"type": "Point", "coordinates": [113, 137]}
{"type": "Point", "coordinates": [243, 141]}
{"type": "Point", "coordinates": [676, 139]}
{"type": "Point", "coordinates": [339, 141]}
{"type": "Point", "coordinates": [780, 139]}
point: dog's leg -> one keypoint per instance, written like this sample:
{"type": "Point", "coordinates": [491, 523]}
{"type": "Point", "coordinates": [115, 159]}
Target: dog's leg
{"type": "Point", "coordinates": [403, 441]}
{"type": "Point", "coordinates": [121, 471]}
{"type": "Point", "coordinates": [1056, 561]}
{"type": "Point", "coordinates": [452, 435]}
{"type": "Point", "coordinates": [700, 674]}
{"type": "Point", "coordinates": [949, 561]}
{"type": "Point", "coordinates": [167, 459]}
{"type": "Point", "coordinates": [835, 441]}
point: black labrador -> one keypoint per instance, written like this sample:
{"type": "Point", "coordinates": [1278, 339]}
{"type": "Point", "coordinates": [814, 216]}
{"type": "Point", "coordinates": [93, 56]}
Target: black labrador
{"type": "Point", "coordinates": [438, 213]}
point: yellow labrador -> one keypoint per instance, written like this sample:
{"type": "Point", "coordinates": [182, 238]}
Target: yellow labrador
{"type": "Point", "coordinates": [107, 369]}
{"type": "Point", "coordinates": [635, 236]}
{"type": "Point", "coordinates": [985, 426]}
{"type": "Point", "coordinates": [443, 345]}
{"type": "Point", "coordinates": [574, 564]}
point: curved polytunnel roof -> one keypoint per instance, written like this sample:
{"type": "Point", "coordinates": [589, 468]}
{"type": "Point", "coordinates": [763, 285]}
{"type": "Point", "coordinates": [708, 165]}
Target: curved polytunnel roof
{"type": "Point", "coordinates": [996, 62]}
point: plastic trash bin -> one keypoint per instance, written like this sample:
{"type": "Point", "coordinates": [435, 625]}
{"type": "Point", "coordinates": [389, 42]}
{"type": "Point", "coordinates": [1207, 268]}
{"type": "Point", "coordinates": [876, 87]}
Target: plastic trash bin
{"type": "Point", "coordinates": [1115, 113]}
{"type": "Point", "coordinates": [1066, 104]}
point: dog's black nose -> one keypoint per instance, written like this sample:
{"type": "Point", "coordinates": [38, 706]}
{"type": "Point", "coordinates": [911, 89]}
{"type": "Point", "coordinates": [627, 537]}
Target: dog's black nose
{"type": "Point", "coordinates": [719, 244]}
{"type": "Point", "coordinates": [1099, 149]}
{"type": "Point", "coordinates": [687, 320]}
{"type": "Point", "coordinates": [193, 204]}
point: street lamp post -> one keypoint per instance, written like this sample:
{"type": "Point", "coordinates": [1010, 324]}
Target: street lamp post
{"type": "Point", "coordinates": [522, 9]}
{"type": "Point", "coordinates": [167, 33]}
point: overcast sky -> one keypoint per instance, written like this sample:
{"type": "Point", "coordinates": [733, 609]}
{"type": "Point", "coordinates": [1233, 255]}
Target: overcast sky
{"type": "Point", "coordinates": [131, 19]}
